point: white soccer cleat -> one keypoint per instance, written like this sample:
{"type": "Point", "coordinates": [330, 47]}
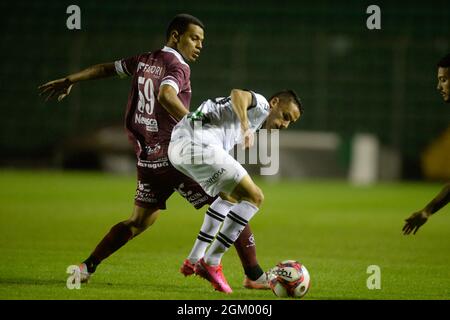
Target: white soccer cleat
{"type": "Point", "coordinates": [84, 274]}
{"type": "Point", "coordinates": [262, 283]}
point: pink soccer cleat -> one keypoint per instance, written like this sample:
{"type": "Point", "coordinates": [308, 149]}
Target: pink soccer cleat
{"type": "Point", "coordinates": [187, 268]}
{"type": "Point", "coordinates": [213, 274]}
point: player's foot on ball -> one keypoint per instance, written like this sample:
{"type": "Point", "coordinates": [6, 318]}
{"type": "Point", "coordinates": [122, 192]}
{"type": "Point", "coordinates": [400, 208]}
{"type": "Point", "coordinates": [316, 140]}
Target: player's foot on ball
{"type": "Point", "coordinates": [213, 274]}
{"type": "Point", "coordinates": [84, 273]}
{"type": "Point", "coordinates": [262, 283]}
{"type": "Point", "coordinates": [187, 268]}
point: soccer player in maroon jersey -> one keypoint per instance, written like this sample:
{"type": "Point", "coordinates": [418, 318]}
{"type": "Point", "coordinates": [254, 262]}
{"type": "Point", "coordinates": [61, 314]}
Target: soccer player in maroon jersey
{"type": "Point", "coordinates": [159, 97]}
{"type": "Point", "coordinates": [417, 219]}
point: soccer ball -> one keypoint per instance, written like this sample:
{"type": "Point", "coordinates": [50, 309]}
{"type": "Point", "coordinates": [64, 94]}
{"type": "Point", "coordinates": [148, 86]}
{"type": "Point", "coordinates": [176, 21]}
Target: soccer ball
{"type": "Point", "coordinates": [289, 279]}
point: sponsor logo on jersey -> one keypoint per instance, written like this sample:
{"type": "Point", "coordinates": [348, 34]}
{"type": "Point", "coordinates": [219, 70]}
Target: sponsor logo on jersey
{"type": "Point", "coordinates": [151, 150]}
{"type": "Point", "coordinates": [150, 124]}
{"type": "Point", "coordinates": [154, 70]}
{"type": "Point", "coordinates": [215, 176]}
{"type": "Point", "coordinates": [161, 163]}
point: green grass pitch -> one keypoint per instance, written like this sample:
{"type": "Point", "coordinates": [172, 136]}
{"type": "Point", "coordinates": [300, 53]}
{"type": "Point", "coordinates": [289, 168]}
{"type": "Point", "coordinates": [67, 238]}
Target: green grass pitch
{"type": "Point", "coordinates": [50, 220]}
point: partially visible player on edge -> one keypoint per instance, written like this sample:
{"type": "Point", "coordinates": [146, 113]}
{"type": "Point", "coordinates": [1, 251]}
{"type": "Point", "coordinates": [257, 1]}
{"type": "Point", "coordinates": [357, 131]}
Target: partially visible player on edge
{"type": "Point", "coordinates": [199, 148]}
{"type": "Point", "coordinates": [417, 219]}
{"type": "Point", "coordinates": [159, 97]}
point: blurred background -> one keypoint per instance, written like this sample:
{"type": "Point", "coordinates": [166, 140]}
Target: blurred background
{"type": "Point", "coordinates": [372, 111]}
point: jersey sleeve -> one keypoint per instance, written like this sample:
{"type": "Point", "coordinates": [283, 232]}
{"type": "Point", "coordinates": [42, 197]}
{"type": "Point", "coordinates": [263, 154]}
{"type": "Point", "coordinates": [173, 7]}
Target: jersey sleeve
{"type": "Point", "coordinates": [126, 67]}
{"type": "Point", "coordinates": [258, 110]}
{"type": "Point", "coordinates": [259, 102]}
{"type": "Point", "coordinates": [176, 76]}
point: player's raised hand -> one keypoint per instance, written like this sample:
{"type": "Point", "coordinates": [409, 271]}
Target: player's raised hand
{"type": "Point", "coordinates": [248, 138]}
{"type": "Point", "coordinates": [414, 222]}
{"type": "Point", "coordinates": [60, 88]}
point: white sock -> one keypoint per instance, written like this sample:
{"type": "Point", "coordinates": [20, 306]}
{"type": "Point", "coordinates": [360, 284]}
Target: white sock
{"type": "Point", "coordinates": [235, 222]}
{"type": "Point", "coordinates": [214, 217]}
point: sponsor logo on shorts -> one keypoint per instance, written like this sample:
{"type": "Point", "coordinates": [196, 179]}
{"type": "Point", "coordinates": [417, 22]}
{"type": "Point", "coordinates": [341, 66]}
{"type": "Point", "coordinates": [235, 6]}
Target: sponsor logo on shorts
{"type": "Point", "coordinates": [193, 198]}
{"type": "Point", "coordinates": [145, 187]}
{"type": "Point", "coordinates": [145, 197]}
{"type": "Point", "coordinates": [215, 176]}
{"type": "Point", "coordinates": [199, 201]}
{"type": "Point", "coordinates": [144, 193]}
{"type": "Point", "coordinates": [183, 192]}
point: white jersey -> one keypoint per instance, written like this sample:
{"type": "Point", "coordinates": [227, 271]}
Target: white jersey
{"type": "Point", "coordinates": [220, 124]}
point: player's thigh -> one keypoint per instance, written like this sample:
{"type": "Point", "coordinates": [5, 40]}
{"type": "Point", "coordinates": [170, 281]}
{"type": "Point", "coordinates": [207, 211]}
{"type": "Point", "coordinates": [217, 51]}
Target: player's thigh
{"type": "Point", "coordinates": [153, 189]}
{"type": "Point", "coordinates": [214, 169]}
{"type": "Point", "coordinates": [219, 173]}
{"type": "Point", "coordinates": [247, 190]}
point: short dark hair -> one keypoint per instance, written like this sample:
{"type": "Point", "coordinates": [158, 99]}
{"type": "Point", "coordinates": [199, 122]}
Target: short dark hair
{"type": "Point", "coordinates": [444, 62]}
{"type": "Point", "coordinates": [289, 95]}
{"type": "Point", "coordinates": [181, 22]}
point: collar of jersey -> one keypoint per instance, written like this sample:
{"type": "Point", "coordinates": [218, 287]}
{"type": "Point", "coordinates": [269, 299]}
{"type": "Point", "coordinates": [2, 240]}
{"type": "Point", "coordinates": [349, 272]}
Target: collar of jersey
{"type": "Point", "coordinates": [176, 53]}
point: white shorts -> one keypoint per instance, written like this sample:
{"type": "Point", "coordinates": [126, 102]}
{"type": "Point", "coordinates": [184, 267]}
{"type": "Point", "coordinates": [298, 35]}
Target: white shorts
{"type": "Point", "coordinates": [214, 169]}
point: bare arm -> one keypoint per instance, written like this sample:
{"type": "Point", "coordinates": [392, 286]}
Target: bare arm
{"type": "Point", "coordinates": [62, 87]}
{"type": "Point", "coordinates": [168, 98]}
{"type": "Point", "coordinates": [241, 100]}
{"type": "Point", "coordinates": [440, 201]}
{"type": "Point", "coordinates": [98, 71]}
{"type": "Point", "coordinates": [417, 219]}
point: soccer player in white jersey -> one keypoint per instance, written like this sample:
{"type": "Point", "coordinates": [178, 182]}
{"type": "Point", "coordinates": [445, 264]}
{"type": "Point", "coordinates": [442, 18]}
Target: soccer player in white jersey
{"type": "Point", "coordinates": [199, 147]}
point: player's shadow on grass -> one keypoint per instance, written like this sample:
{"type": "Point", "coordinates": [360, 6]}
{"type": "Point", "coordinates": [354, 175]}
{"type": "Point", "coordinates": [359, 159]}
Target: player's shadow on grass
{"type": "Point", "coordinates": [29, 282]}
{"type": "Point", "coordinates": [96, 284]}
{"type": "Point", "coordinates": [147, 285]}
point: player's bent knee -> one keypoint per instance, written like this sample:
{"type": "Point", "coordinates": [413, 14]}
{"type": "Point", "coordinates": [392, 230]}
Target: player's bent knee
{"type": "Point", "coordinates": [255, 197]}
{"type": "Point", "coordinates": [141, 219]}
{"type": "Point", "coordinates": [258, 197]}
{"type": "Point", "coordinates": [137, 227]}
{"type": "Point", "coordinates": [248, 191]}
{"type": "Point", "coordinates": [227, 197]}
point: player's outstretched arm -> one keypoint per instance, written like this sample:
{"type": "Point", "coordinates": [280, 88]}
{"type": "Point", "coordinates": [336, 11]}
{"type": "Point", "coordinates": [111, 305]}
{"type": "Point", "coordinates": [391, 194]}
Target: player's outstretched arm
{"type": "Point", "coordinates": [417, 219]}
{"type": "Point", "coordinates": [241, 100]}
{"type": "Point", "coordinates": [61, 87]}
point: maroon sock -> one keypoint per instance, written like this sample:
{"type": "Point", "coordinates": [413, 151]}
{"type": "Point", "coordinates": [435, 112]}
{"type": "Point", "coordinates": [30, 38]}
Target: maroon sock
{"type": "Point", "coordinates": [246, 249]}
{"type": "Point", "coordinates": [116, 238]}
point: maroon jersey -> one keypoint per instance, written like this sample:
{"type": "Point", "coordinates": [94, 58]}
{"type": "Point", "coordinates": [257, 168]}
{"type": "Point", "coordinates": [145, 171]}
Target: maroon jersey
{"type": "Point", "coordinates": [148, 124]}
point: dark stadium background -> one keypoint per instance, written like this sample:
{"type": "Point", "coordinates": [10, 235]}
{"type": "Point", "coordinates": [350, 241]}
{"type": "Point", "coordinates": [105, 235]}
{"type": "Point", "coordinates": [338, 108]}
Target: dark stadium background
{"type": "Point", "coordinates": [350, 79]}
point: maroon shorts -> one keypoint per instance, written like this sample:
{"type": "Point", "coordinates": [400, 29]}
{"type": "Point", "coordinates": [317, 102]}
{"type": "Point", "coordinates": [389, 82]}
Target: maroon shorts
{"type": "Point", "coordinates": [158, 180]}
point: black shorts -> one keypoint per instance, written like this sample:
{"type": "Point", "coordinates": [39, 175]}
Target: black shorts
{"type": "Point", "coordinates": [158, 180]}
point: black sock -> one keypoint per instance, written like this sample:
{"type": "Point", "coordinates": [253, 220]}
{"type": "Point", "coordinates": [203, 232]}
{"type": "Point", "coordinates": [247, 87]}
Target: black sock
{"type": "Point", "coordinates": [253, 273]}
{"type": "Point", "coordinates": [91, 264]}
